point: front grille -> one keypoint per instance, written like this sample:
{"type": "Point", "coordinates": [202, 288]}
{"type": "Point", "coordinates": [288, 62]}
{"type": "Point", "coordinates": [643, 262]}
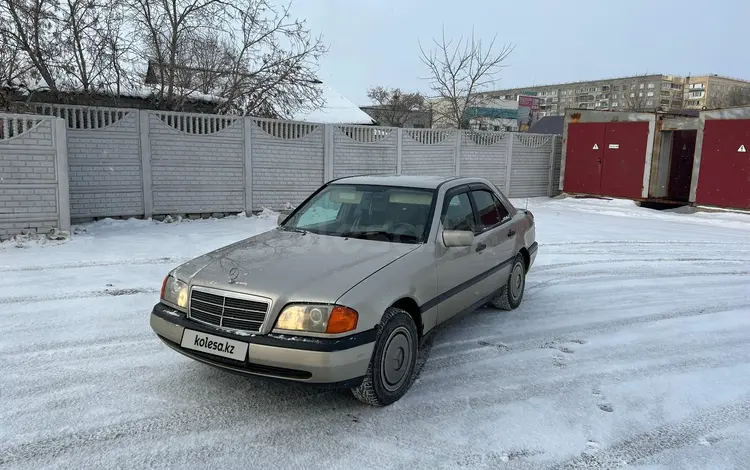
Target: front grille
{"type": "Point", "coordinates": [228, 309]}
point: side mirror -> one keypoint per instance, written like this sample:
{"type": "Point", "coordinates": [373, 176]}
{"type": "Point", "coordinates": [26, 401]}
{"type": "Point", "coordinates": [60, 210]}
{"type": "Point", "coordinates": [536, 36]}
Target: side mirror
{"type": "Point", "coordinates": [458, 238]}
{"type": "Point", "coordinates": [280, 220]}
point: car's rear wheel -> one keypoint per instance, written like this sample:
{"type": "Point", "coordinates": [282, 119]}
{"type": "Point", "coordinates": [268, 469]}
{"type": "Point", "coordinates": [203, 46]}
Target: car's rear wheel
{"type": "Point", "coordinates": [511, 294]}
{"type": "Point", "coordinates": [391, 370]}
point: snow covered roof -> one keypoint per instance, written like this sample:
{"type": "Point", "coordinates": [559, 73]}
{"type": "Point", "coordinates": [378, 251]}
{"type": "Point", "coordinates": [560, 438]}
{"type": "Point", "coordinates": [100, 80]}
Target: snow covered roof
{"type": "Point", "coordinates": [336, 110]}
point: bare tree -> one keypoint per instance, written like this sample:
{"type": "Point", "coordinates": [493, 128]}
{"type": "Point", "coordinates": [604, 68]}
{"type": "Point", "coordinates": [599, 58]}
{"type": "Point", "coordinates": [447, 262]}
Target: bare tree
{"type": "Point", "coordinates": [28, 26]}
{"type": "Point", "coordinates": [274, 63]}
{"type": "Point", "coordinates": [636, 100]}
{"type": "Point", "coordinates": [736, 96]}
{"type": "Point", "coordinates": [395, 107]}
{"type": "Point", "coordinates": [460, 71]}
{"type": "Point", "coordinates": [255, 57]}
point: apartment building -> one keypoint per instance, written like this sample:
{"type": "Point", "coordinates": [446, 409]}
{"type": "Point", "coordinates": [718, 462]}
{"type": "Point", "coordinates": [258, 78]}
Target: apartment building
{"type": "Point", "coordinates": [715, 91]}
{"type": "Point", "coordinates": [635, 93]}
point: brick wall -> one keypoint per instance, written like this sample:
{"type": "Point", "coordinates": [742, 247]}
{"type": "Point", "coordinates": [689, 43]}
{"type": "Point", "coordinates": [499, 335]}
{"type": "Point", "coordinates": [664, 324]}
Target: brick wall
{"type": "Point", "coordinates": [530, 165]}
{"type": "Point", "coordinates": [30, 198]}
{"type": "Point", "coordinates": [429, 152]}
{"type": "Point", "coordinates": [129, 162]}
{"type": "Point", "coordinates": [197, 163]}
{"type": "Point", "coordinates": [485, 154]}
{"type": "Point", "coordinates": [104, 161]}
{"type": "Point", "coordinates": [287, 162]}
{"type": "Point", "coordinates": [360, 150]}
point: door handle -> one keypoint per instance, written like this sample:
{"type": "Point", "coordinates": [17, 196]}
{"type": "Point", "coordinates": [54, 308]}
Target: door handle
{"type": "Point", "coordinates": [511, 233]}
{"type": "Point", "coordinates": [480, 247]}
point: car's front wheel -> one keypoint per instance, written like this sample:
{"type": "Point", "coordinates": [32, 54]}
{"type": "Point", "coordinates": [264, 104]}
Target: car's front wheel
{"type": "Point", "coordinates": [511, 294]}
{"type": "Point", "coordinates": [391, 370]}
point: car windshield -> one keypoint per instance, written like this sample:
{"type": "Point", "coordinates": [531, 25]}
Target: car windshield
{"type": "Point", "coordinates": [385, 213]}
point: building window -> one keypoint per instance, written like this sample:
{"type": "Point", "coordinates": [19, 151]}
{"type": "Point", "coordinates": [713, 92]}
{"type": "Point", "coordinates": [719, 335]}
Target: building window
{"type": "Point", "coordinates": [616, 88]}
{"type": "Point", "coordinates": [649, 103]}
{"type": "Point", "coordinates": [614, 104]}
{"type": "Point", "coordinates": [632, 95]}
{"type": "Point", "coordinates": [650, 93]}
{"type": "Point", "coordinates": [641, 86]}
{"type": "Point", "coordinates": [651, 85]}
{"type": "Point", "coordinates": [640, 93]}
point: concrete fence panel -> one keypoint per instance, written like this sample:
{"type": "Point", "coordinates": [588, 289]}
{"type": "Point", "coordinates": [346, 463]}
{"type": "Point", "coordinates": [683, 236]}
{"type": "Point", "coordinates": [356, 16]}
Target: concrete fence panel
{"type": "Point", "coordinates": [529, 172]}
{"type": "Point", "coordinates": [429, 152]}
{"type": "Point", "coordinates": [33, 175]}
{"type": "Point", "coordinates": [130, 162]}
{"type": "Point", "coordinates": [485, 154]}
{"type": "Point", "coordinates": [197, 163]}
{"type": "Point", "coordinates": [104, 160]}
{"type": "Point", "coordinates": [287, 162]}
{"type": "Point", "coordinates": [364, 150]}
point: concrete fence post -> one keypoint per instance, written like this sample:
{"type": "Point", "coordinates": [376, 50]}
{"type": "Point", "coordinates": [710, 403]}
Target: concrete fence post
{"type": "Point", "coordinates": [551, 175]}
{"type": "Point", "coordinates": [60, 141]}
{"type": "Point", "coordinates": [328, 152]}
{"type": "Point", "coordinates": [148, 190]}
{"type": "Point", "coordinates": [459, 137]}
{"type": "Point", "coordinates": [247, 140]}
{"type": "Point", "coordinates": [509, 163]}
{"type": "Point", "coordinates": [399, 149]}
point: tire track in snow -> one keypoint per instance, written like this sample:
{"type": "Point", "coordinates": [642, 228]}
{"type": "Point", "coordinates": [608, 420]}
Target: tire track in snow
{"type": "Point", "coordinates": [575, 264]}
{"type": "Point", "coordinates": [665, 437]}
{"type": "Point", "coordinates": [79, 295]}
{"type": "Point", "coordinates": [269, 408]}
{"type": "Point", "coordinates": [582, 331]}
{"type": "Point", "coordinates": [94, 264]}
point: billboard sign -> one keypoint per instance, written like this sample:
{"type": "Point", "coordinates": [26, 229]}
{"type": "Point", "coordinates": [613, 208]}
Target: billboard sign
{"type": "Point", "coordinates": [529, 108]}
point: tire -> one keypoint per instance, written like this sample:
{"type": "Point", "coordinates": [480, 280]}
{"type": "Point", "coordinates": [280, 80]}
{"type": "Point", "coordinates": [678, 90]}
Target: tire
{"type": "Point", "coordinates": [511, 294]}
{"type": "Point", "coordinates": [392, 368]}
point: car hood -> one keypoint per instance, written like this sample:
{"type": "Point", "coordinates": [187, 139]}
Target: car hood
{"type": "Point", "coordinates": [291, 266]}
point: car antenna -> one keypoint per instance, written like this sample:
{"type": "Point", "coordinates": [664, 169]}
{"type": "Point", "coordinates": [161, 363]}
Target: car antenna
{"type": "Point", "coordinates": [527, 204]}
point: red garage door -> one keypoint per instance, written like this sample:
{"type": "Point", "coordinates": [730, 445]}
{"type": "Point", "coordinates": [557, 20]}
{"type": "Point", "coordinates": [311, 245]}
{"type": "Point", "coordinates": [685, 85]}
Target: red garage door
{"type": "Point", "coordinates": [606, 159]}
{"type": "Point", "coordinates": [724, 176]}
{"type": "Point", "coordinates": [583, 156]}
{"type": "Point", "coordinates": [624, 159]}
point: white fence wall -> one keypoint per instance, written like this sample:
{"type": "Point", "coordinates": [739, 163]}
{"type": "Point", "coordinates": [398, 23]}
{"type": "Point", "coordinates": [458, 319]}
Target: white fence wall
{"type": "Point", "coordinates": [33, 175]}
{"type": "Point", "coordinates": [129, 162]}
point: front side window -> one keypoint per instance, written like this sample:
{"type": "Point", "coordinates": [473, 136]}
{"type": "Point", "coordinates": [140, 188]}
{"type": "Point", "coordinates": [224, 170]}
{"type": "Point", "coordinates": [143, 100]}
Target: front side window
{"type": "Point", "coordinates": [490, 211]}
{"type": "Point", "coordinates": [386, 213]}
{"type": "Point", "coordinates": [458, 214]}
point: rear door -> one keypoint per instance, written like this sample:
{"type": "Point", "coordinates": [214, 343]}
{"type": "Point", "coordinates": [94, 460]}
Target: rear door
{"type": "Point", "coordinates": [456, 266]}
{"type": "Point", "coordinates": [496, 231]}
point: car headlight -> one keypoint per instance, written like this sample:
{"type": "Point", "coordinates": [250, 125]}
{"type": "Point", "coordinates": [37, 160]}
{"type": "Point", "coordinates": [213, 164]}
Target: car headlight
{"type": "Point", "coordinates": [331, 319]}
{"type": "Point", "coordinates": [174, 292]}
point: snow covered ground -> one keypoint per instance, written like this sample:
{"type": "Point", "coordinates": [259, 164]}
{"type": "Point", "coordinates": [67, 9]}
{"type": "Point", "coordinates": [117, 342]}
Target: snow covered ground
{"type": "Point", "coordinates": [630, 349]}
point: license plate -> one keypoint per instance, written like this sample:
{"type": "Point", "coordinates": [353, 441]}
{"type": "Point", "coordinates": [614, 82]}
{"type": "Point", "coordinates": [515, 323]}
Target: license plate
{"type": "Point", "coordinates": [215, 345]}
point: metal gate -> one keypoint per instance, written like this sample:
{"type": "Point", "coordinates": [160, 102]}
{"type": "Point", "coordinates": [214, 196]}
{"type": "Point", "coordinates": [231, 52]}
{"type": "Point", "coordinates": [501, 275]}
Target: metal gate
{"type": "Point", "coordinates": [606, 159]}
{"type": "Point", "coordinates": [583, 157]}
{"type": "Point", "coordinates": [724, 176]}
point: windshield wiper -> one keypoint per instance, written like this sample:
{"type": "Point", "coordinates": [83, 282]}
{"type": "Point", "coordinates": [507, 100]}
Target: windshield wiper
{"type": "Point", "coordinates": [366, 234]}
{"type": "Point", "coordinates": [292, 229]}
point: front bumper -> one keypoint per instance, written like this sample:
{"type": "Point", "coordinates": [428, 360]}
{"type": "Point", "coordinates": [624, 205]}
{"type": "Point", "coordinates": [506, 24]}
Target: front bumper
{"type": "Point", "coordinates": [339, 362]}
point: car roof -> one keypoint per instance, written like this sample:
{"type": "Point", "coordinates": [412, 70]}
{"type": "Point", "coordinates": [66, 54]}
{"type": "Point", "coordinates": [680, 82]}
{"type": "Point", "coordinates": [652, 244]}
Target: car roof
{"type": "Point", "coordinates": [405, 181]}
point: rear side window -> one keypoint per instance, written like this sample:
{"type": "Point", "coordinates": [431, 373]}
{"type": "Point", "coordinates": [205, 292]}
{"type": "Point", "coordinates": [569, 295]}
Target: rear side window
{"type": "Point", "coordinates": [458, 214]}
{"type": "Point", "coordinates": [490, 212]}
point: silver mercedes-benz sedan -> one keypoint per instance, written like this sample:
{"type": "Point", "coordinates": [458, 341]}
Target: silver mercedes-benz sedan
{"type": "Point", "coordinates": [345, 290]}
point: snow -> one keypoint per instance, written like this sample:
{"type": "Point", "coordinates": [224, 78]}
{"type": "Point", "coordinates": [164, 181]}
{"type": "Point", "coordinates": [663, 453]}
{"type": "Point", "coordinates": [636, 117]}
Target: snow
{"type": "Point", "coordinates": [336, 110]}
{"type": "Point", "coordinates": [630, 348]}
{"type": "Point", "coordinates": [137, 90]}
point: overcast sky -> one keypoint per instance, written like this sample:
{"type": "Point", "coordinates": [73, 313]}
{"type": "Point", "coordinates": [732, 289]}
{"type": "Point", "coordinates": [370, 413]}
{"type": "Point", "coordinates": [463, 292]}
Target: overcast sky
{"type": "Point", "coordinates": [375, 42]}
